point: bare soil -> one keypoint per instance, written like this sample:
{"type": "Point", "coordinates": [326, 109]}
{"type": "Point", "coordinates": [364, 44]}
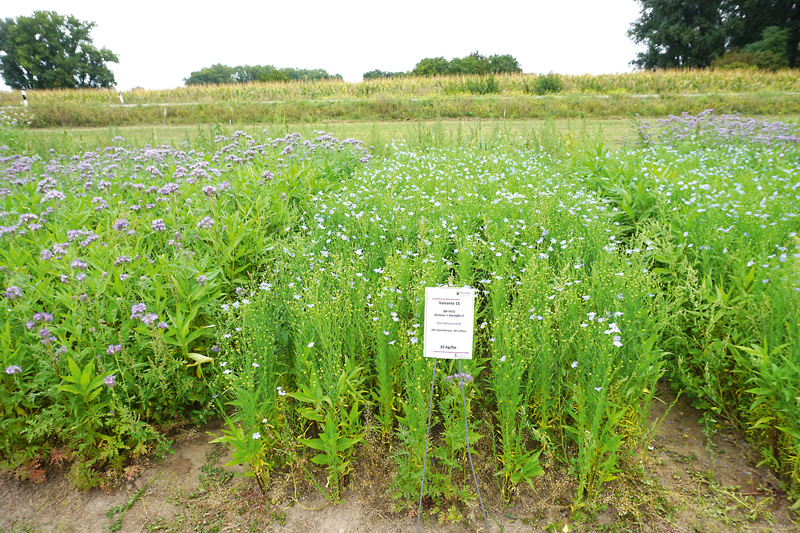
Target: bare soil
{"type": "Point", "coordinates": [688, 485]}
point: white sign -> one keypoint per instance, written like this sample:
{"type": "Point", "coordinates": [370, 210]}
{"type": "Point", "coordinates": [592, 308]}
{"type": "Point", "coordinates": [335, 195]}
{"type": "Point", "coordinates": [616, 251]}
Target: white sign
{"type": "Point", "coordinates": [449, 320]}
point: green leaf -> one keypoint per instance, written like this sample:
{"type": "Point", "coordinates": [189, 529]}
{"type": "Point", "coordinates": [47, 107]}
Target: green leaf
{"type": "Point", "coordinates": [314, 444]}
{"type": "Point", "coordinates": [199, 359]}
{"type": "Point", "coordinates": [322, 459]}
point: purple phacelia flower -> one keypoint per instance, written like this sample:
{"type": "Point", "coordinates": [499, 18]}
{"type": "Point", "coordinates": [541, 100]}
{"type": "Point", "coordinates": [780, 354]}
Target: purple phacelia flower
{"type": "Point", "coordinates": [13, 292]}
{"type": "Point", "coordinates": [113, 348]}
{"type": "Point", "coordinates": [79, 265]}
{"type": "Point", "coordinates": [43, 317]}
{"type": "Point", "coordinates": [110, 380]}
{"type": "Point", "coordinates": [120, 224]}
{"type": "Point", "coordinates": [163, 325]}
{"type": "Point", "coordinates": [201, 280]}
{"type": "Point", "coordinates": [210, 190]}
{"type": "Point", "coordinates": [149, 318]}
{"type": "Point", "coordinates": [137, 310]}
{"type": "Point", "coordinates": [158, 225]}
{"type": "Point", "coordinates": [169, 188]}
{"type": "Point", "coordinates": [13, 369]}
{"type": "Point", "coordinates": [205, 223]}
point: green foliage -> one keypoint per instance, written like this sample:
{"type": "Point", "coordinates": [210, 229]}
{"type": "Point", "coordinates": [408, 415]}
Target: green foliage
{"type": "Point", "coordinates": [699, 34]}
{"type": "Point", "coordinates": [747, 20]}
{"type": "Point", "coordinates": [770, 53]}
{"type": "Point", "coordinates": [51, 51]}
{"type": "Point", "coordinates": [545, 84]}
{"type": "Point", "coordinates": [475, 63]}
{"type": "Point", "coordinates": [378, 74]}
{"type": "Point", "coordinates": [13, 129]}
{"type": "Point", "coordinates": [223, 74]}
{"type": "Point", "coordinates": [678, 34]}
{"type": "Point", "coordinates": [597, 273]}
{"type": "Point", "coordinates": [108, 330]}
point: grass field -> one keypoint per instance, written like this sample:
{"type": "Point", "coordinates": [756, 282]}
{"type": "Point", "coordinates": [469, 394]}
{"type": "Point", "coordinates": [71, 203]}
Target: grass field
{"type": "Point", "coordinates": [494, 97]}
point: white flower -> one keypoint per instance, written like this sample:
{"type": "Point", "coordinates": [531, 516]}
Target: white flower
{"type": "Point", "coordinates": [311, 344]}
{"type": "Point", "coordinates": [598, 389]}
{"type": "Point", "coordinates": [255, 365]}
{"type": "Point", "coordinates": [256, 435]}
{"type": "Point", "coordinates": [574, 364]}
{"type": "Point", "coordinates": [502, 359]}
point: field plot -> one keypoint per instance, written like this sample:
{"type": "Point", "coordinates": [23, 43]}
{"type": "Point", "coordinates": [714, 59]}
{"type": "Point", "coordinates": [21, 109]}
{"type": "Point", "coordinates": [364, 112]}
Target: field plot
{"type": "Point", "coordinates": [514, 96]}
{"type": "Point", "coordinates": [279, 283]}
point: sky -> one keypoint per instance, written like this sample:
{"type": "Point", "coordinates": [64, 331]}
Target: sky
{"type": "Point", "coordinates": [159, 43]}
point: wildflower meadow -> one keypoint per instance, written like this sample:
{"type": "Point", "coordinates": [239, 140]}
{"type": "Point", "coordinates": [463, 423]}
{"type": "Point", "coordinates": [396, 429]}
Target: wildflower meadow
{"type": "Point", "coordinates": [278, 283]}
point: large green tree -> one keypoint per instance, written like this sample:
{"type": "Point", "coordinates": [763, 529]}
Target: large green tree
{"type": "Point", "coordinates": [52, 51]}
{"type": "Point", "coordinates": [678, 34]}
{"type": "Point", "coordinates": [751, 21]}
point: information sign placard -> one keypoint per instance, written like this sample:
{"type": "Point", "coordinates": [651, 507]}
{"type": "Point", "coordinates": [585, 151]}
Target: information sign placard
{"type": "Point", "coordinates": [449, 322]}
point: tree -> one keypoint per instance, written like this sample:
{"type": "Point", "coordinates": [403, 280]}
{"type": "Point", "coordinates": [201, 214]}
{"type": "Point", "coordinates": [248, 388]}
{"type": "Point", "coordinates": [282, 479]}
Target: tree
{"type": "Point", "coordinates": [747, 20]}
{"type": "Point", "coordinates": [51, 51]}
{"type": "Point", "coordinates": [377, 74]}
{"type": "Point", "coordinates": [475, 63]}
{"type": "Point", "coordinates": [771, 51]}
{"type": "Point", "coordinates": [221, 74]}
{"type": "Point", "coordinates": [432, 66]}
{"type": "Point", "coordinates": [503, 63]}
{"type": "Point", "coordinates": [678, 34]}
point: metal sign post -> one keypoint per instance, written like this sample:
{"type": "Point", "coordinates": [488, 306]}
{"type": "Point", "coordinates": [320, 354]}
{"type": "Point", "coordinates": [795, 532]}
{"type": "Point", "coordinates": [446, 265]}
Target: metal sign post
{"type": "Point", "coordinates": [448, 334]}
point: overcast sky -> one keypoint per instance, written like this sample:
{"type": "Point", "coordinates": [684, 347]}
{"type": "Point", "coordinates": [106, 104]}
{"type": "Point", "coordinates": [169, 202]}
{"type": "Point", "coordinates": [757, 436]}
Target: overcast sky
{"type": "Point", "coordinates": [159, 43]}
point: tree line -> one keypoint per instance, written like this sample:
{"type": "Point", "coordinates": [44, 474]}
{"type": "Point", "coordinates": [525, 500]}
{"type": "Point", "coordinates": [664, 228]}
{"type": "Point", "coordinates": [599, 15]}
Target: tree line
{"type": "Point", "coordinates": [717, 33]}
{"type": "Point", "coordinates": [475, 63]}
{"type": "Point", "coordinates": [223, 74]}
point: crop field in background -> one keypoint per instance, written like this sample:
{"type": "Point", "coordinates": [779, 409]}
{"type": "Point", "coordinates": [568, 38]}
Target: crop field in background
{"type": "Point", "coordinates": [423, 98]}
{"type": "Point", "coordinates": [278, 282]}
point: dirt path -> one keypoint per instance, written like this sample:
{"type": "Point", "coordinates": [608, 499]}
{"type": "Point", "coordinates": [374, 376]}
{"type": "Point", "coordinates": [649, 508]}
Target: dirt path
{"type": "Point", "coordinates": [686, 488]}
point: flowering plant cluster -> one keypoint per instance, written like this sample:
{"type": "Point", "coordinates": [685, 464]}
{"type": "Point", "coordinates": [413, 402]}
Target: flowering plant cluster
{"type": "Point", "coordinates": [118, 256]}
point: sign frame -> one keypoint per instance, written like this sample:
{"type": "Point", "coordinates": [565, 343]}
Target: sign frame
{"type": "Point", "coordinates": [449, 322]}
